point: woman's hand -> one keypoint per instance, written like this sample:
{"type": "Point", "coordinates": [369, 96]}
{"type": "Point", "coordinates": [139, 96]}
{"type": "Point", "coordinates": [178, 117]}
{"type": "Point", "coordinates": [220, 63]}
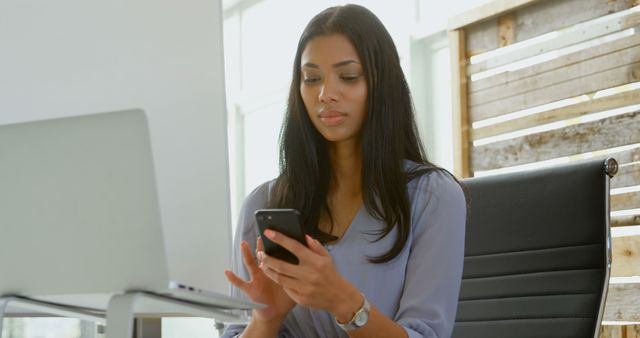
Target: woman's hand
{"type": "Point", "coordinates": [314, 282]}
{"type": "Point", "coordinates": [260, 288]}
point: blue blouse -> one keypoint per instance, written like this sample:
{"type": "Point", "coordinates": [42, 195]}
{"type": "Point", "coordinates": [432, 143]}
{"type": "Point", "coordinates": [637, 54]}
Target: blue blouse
{"type": "Point", "coordinates": [418, 289]}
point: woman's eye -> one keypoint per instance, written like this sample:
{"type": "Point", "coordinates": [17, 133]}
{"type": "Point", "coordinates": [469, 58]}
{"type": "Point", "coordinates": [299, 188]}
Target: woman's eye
{"type": "Point", "coordinates": [311, 79]}
{"type": "Point", "coordinates": [350, 78]}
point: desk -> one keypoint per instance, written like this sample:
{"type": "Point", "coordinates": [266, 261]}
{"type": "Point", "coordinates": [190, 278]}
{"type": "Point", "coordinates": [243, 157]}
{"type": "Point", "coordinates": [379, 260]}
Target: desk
{"type": "Point", "coordinates": [121, 311]}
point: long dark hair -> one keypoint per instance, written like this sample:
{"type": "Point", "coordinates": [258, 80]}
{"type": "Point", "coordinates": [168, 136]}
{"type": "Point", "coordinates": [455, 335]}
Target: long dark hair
{"type": "Point", "coordinates": [389, 134]}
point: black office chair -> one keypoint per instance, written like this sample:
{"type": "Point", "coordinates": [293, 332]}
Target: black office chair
{"type": "Point", "coordinates": [537, 253]}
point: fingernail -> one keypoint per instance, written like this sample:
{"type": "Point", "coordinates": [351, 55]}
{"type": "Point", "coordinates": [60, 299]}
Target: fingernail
{"type": "Point", "coordinates": [260, 255]}
{"type": "Point", "coordinates": [269, 233]}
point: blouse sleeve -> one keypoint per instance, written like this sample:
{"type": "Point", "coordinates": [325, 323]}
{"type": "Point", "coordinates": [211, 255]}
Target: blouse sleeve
{"type": "Point", "coordinates": [434, 268]}
{"type": "Point", "coordinates": [247, 230]}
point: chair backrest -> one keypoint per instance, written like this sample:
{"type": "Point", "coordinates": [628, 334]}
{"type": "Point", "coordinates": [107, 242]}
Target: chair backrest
{"type": "Point", "coordinates": [537, 253]}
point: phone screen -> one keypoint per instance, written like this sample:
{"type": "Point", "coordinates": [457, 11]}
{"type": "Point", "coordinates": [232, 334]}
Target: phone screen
{"type": "Point", "coordinates": [285, 221]}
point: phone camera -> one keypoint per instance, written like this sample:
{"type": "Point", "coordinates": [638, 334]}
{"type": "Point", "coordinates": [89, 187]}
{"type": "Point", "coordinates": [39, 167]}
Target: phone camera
{"type": "Point", "coordinates": [269, 217]}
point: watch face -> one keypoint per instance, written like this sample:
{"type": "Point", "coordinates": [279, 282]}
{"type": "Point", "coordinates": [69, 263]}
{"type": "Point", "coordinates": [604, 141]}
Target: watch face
{"type": "Point", "coordinates": [361, 318]}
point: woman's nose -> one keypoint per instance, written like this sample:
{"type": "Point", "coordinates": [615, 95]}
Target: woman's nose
{"type": "Point", "coordinates": [328, 92]}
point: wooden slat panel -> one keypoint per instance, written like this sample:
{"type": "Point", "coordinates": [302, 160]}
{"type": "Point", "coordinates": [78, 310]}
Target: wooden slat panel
{"type": "Point", "coordinates": [629, 170]}
{"type": "Point", "coordinates": [459, 107]}
{"type": "Point", "coordinates": [591, 83]}
{"type": "Point", "coordinates": [620, 331]}
{"type": "Point", "coordinates": [626, 157]}
{"type": "Point", "coordinates": [506, 29]}
{"type": "Point", "coordinates": [560, 75]}
{"type": "Point", "coordinates": [628, 175]}
{"type": "Point", "coordinates": [623, 303]}
{"type": "Point", "coordinates": [483, 37]}
{"type": "Point", "coordinates": [569, 59]}
{"type": "Point", "coordinates": [535, 19]}
{"type": "Point", "coordinates": [611, 331]}
{"type": "Point", "coordinates": [571, 36]}
{"type": "Point", "coordinates": [625, 201]}
{"type": "Point", "coordinates": [601, 134]}
{"type": "Point", "coordinates": [548, 16]}
{"type": "Point", "coordinates": [560, 62]}
{"type": "Point", "coordinates": [621, 221]}
{"type": "Point", "coordinates": [626, 256]}
{"type": "Point", "coordinates": [560, 114]}
{"type": "Point", "coordinates": [632, 331]}
{"type": "Point", "coordinates": [486, 11]}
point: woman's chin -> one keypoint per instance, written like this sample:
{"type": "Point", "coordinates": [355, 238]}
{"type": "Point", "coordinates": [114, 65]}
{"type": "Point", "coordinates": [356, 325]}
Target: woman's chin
{"type": "Point", "coordinates": [337, 137]}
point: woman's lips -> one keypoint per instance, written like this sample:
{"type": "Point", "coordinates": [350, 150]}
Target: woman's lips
{"type": "Point", "coordinates": [332, 118]}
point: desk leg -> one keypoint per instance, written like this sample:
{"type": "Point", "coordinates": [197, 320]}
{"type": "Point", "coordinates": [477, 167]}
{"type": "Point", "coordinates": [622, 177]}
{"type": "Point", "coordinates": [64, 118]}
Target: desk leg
{"type": "Point", "coordinates": [120, 315]}
{"type": "Point", "coordinates": [3, 310]}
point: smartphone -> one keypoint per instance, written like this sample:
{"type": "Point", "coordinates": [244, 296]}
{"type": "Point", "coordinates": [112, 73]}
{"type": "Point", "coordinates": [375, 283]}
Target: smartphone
{"type": "Point", "coordinates": [286, 221]}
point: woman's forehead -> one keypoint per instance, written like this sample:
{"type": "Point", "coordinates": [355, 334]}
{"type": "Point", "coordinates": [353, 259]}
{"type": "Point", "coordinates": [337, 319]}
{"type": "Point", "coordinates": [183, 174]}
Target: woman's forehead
{"type": "Point", "coordinates": [329, 50]}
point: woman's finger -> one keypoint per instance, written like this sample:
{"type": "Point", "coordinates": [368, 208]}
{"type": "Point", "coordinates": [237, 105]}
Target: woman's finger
{"type": "Point", "coordinates": [316, 246]}
{"type": "Point", "coordinates": [277, 265]}
{"type": "Point", "coordinates": [259, 244]}
{"type": "Point", "coordinates": [282, 280]}
{"type": "Point", "coordinates": [247, 259]}
{"type": "Point", "coordinates": [235, 280]}
{"type": "Point", "coordinates": [296, 248]}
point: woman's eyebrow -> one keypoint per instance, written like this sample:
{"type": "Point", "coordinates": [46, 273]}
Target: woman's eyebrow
{"type": "Point", "coordinates": [335, 65]}
{"type": "Point", "coordinates": [344, 63]}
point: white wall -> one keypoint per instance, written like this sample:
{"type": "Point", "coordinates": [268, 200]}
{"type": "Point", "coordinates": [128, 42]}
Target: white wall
{"type": "Point", "coordinates": [430, 80]}
{"type": "Point", "coordinates": [434, 15]}
{"type": "Point", "coordinates": [70, 57]}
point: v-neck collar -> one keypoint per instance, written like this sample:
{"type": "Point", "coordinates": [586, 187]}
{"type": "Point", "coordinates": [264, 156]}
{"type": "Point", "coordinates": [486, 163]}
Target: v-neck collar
{"type": "Point", "coordinates": [348, 230]}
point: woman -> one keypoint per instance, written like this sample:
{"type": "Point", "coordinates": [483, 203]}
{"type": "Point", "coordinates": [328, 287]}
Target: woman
{"type": "Point", "coordinates": [385, 227]}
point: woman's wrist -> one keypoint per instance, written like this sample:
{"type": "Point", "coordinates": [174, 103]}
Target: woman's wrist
{"type": "Point", "coordinates": [260, 327]}
{"type": "Point", "coordinates": [276, 320]}
{"type": "Point", "coordinates": [348, 304]}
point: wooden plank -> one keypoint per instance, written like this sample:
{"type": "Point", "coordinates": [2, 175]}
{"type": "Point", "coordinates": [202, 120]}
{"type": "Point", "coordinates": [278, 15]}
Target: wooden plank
{"type": "Point", "coordinates": [623, 303]}
{"type": "Point", "coordinates": [626, 157]}
{"type": "Point", "coordinates": [482, 37]}
{"type": "Point", "coordinates": [560, 75]}
{"type": "Point", "coordinates": [626, 256]}
{"type": "Point", "coordinates": [611, 331]}
{"type": "Point", "coordinates": [567, 38]}
{"type": "Point", "coordinates": [543, 95]}
{"type": "Point", "coordinates": [620, 331]}
{"type": "Point", "coordinates": [565, 60]}
{"type": "Point", "coordinates": [623, 221]}
{"type": "Point", "coordinates": [627, 176]}
{"type": "Point", "coordinates": [506, 29]}
{"type": "Point", "coordinates": [607, 133]}
{"type": "Point", "coordinates": [629, 168]}
{"type": "Point", "coordinates": [633, 331]}
{"type": "Point", "coordinates": [460, 118]}
{"type": "Point", "coordinates": [630, 200]}
{"type": "Point", "coordinates": [548, 16]}
{"type": "Point", "coordinates": [559, 114]}
{"type": "Point", "coordinates": [486, 11]}
{"type": "Point", "coordinates": [539, 18]}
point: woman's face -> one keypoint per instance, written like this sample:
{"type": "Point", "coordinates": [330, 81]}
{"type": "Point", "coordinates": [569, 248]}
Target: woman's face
{"type": "Point", "coordinates": [333, 87]}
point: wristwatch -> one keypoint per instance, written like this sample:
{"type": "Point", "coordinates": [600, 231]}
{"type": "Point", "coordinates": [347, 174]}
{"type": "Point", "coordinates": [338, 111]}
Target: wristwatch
{"type": "Point", "coordinates": [359, 320]}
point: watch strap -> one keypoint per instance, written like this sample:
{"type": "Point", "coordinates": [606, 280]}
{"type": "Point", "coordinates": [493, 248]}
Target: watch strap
{"type": "Point", "coordinates": [359, 319]}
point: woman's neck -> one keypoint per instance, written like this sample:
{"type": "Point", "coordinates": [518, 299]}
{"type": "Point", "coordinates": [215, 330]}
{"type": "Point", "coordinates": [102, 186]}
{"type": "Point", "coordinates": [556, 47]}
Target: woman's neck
{"type": "Point", "coordinates": [346, 163]}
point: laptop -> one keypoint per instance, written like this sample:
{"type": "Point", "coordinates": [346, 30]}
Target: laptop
{"type": "Point", "coordinates": [80, 217]}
